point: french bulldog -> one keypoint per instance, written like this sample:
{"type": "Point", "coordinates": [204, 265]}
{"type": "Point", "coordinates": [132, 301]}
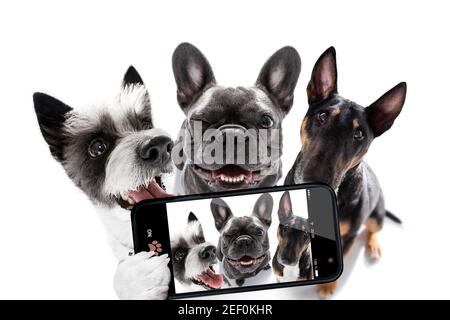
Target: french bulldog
{"type": "Point", "coordinates": [243, 246]}
{"type": "Point", "coordinates": [238, 128]}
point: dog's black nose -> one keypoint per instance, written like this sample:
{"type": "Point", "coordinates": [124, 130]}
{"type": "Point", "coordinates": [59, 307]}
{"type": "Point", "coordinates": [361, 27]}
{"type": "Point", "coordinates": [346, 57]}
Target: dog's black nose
{"type": "Point", "coordinates": [208, 252]}
{"type": "Point", "coordinates": [157, 150]}
{"type": "Point", "coordinates": [243, 242]}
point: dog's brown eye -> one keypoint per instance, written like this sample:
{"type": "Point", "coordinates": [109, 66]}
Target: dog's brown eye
{"type": "Point", "coordinates": [96, 148]}
{"type": "Point", "coordinates": [358, 135]}
{"type": "Point", "coordinates": [259, 232]}
{"type": "Point", "coordinates": [322, 117]}
{"type": "Point", "coordinates": [284, 228]}
{"type": "Point", "coordinates": [266, 121]}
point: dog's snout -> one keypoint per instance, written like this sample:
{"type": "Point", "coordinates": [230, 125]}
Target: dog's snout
{"type": "Point", "coordinates": [244, 242]}
{"type": "Point", "coordinates": [157, 151]}
{"type": "Point", "coordinates": [208, 253]}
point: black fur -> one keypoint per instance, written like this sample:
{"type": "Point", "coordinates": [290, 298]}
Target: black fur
{"type": "Point", "coordinates": [336, 134]}
{"type": "Point", "coordinates": [232, 111]}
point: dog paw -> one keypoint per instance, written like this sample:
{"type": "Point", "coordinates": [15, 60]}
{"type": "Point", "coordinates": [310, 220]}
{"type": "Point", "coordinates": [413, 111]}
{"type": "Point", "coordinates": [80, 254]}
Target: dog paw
{"type": "Point", "coordinates": [156, 247]}
{"type": "Point", "coordinates": [144, 276]}
{"type": "Point", "coordinates": [327, 289]}
{"type": "Point", "coordinates": [373, 248]}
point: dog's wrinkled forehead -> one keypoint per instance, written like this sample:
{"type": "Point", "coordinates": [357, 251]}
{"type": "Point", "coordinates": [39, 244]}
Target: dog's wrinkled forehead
{"type": "Point", "coordinates": [129, 111]}
{"type": "Point", "coordinates": [296, 222]}
{"type": "Point", "coordinates": [242, 224]}
{"type": "Point", "coordinates": [341, 111]}
{"type": "Point", "coordinates": [232, 100]}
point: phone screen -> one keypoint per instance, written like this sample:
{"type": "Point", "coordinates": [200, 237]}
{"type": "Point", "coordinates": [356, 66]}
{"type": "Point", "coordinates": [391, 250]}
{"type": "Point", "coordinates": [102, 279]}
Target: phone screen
{"type": "Point", "coordinates": [243, 240]}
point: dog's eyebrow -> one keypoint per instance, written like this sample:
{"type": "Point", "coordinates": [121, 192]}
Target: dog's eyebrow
{"type": "Point", "coordinates": [296, 222]}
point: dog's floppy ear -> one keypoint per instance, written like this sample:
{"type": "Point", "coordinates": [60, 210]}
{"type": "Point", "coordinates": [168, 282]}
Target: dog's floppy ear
{"type": "Point", "coordinates": [193, 74]}
{"type": "Point", "coordinates": [285, 208]}
{"type": "Point", "coordinates": [323, 81]}
{"type": "Point", "coordinates": [51, 114]}
{"type": "Point", "coordinates": [133, 78]}
{"type": "Point", "coordinates": [382, 113]}
{"type": "Point", "coordinates": [279, 76]}
{"type": "Point", "coordinates": [221, 213]}
{"type": "Point", "coordinates": [263, 208]}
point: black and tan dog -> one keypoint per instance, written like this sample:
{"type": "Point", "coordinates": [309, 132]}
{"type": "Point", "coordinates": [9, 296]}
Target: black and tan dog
{"type": "Point", "coordinates": [292, 259]}
{"type": "Point", "coordinates": [336, 134]}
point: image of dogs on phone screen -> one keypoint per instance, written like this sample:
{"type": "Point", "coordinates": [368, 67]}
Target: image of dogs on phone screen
{"type": "Point", "coordinates": [229, 242]}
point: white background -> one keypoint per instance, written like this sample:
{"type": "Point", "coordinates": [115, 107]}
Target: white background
{"type": "Point", "coordinates": [51, 243]}
{"type": "Point", "coordinates": [178, 212]}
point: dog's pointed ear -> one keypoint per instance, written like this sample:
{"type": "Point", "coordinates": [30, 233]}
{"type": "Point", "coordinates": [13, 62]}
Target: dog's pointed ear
{"type": "Point", "coordinates": [285, 208]}
{"type": "Point", "coordinates": [279, 76]}
{"type": "Point", "coordinates": [132, 77]}
{"type": "Point", "coordinates": [323, 81]}
{"type": "Point", "coordinates": [193, 74]}
{"type": "Point", "coordinates": [51, 114]}
{"type": "Point", "coordinates": [192, 217]}
{"type": "Point", "coordinates": [263, 208]}
{"type": "Point", "coordinates": [221, 213]}
{"type": "Point", "coordinates": [193, 221]}
{"type": "Point", "coordinates": [382, 113]}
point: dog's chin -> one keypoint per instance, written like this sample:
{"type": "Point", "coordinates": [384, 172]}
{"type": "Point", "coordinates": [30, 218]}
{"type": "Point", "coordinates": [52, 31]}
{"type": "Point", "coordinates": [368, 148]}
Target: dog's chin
{"type": "Point", "coordinates": [247, 263]}
{"type": "Point", "coordinates": [208, 279]}
{"type": "Point", "coordinates": [230, 176]}
{"type": "Point", "coordinates": [155, 189]}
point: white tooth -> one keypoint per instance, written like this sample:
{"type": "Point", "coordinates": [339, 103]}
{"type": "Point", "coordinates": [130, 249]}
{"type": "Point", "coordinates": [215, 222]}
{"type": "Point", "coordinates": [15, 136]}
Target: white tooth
{"type": "Point", "coordinates": [131, 201]}
{"type": "Point", "coordinates": [235, 180]}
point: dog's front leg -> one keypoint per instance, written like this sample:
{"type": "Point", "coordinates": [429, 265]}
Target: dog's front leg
{"type": "Point", "coordinates": [143, 276]}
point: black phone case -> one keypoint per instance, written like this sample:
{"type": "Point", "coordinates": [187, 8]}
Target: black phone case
{"type": "Point", "coordinates": [141, 240]}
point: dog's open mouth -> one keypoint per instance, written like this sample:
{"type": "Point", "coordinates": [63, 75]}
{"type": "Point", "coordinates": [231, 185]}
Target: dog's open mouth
{"type": "Point", "coordinates": [246, 261]}
{"type": "Point", "coordinates": [209, 279]}
{"type": "Point", "coordinates": [230, 176]}
{"type": "Point", "coordinates": [155, 189]}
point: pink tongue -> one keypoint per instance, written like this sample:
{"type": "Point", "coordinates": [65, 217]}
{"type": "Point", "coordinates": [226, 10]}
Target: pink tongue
{"type": "Point", "coordinates": [140, 195]}
{"type": "Point", "coordinates": [211, 279]}
{"type": "Point", "coordinates": [153, 191]}
{"type": "Point", "coordinates": [157, 192]}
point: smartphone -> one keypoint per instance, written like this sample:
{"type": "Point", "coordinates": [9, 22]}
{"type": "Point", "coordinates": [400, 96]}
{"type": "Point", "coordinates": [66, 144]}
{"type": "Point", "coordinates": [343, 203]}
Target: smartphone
{"type": "Point", "coordinates": [243, 240]}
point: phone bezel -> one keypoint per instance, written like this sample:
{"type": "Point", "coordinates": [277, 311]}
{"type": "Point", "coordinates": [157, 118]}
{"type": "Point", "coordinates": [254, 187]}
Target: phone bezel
{"type": "Point", "coordinates": [137, 208]}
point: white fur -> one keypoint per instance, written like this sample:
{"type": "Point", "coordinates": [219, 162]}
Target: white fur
{"type": "Point", "coordinates": [194, 266]}
{"type": "Point", "coordinates": [143, 277]}
{"type": "Point", "coordinates": [140, 276]}
{"type": "Point", "coordinates": [122, 173]}
{"type": "Point", "coordinates": [290, 273]}
{"type": "Point", "coordinates": [132, 98]}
